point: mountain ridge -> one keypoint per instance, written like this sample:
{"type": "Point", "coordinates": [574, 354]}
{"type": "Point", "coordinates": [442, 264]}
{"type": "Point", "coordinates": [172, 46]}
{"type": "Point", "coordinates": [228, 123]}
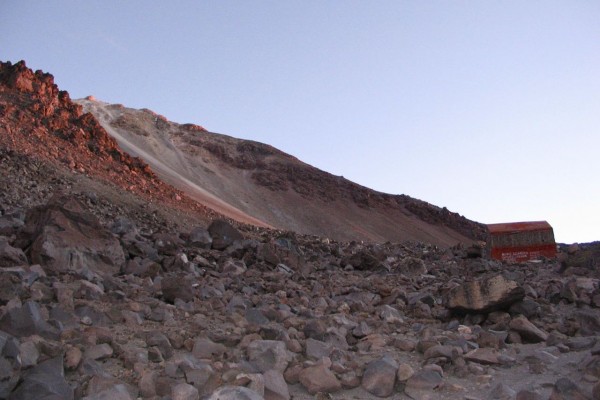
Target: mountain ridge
{"type": "Point", "coordinates": [206, 175]}
{"type": "Point", "coordinates": [283, 179]}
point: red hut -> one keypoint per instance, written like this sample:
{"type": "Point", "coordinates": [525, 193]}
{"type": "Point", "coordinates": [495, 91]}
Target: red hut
{"type": "Point", "coordinates": [520, 241]}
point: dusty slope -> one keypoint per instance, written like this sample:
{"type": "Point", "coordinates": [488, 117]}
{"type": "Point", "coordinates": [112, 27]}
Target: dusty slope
{"type": "Point", "coordinates": [243, 177]}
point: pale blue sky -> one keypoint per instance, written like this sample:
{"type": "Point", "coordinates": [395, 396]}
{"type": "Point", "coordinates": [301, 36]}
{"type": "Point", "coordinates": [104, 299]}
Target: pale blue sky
{"type": "Point", "coordinates": [490, 108]}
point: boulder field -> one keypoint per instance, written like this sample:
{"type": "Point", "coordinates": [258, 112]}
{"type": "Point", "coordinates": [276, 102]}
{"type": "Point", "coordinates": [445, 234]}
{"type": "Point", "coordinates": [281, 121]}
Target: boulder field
{"type": "Point", "coordinates": [113, 308]}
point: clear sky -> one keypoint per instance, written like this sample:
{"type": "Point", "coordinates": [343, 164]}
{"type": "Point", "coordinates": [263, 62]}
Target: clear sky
{"type": "Point", "coordinates": [489, 108]}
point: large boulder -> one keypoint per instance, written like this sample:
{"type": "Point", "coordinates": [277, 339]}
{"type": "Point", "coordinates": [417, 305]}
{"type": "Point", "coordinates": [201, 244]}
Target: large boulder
{"type": "Point", "coordinates": [380, 376]}
{"type": "Point", "coordinates": [63, 237]}
{"type": "Point", "coordinates": [26, 321]}
{"type": "Point", "coordinates": [484, 295]}
{"type": "Point", "coordinates": [223, 234]}
{"type": "Point", "coordinates": [45, 381]}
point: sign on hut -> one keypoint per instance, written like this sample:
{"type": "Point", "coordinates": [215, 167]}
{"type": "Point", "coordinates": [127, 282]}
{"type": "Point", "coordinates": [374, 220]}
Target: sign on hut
{"type": "Point", "coordinates": [520, 241]}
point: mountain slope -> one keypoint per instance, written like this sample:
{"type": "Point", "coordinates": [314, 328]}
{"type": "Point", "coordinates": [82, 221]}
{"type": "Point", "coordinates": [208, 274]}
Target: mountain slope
{"type": "Point", "coordinates": [236, 176]}
{"type": "Point", "coordinates": [40, 124]}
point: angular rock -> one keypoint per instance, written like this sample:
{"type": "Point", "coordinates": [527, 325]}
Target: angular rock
{"type": "Point", "coordinates": [527, 307]}
{"type": "Point", "coordinates": [98, 352]}
{"type": "Point", "coordinates": [223, 234]}
{"type": "Point", "coordinates": [275, 386]}
{"type": "Point", "coordinates": [390, 315]}
{"type": "Point", "coordinates": [316, 349]}
{"type": "Point", "coordinates": [176, 287]}
{"type": "Point", "coordinates": [158, 339]}
{"type": "Point", "coordinates": [486, 356]}
{"type": "Point", "coordinates": [424, 379]}
{"type": "Point", "coordinates": [380, 376]}
{"type": "Point", "coordinates": [200, 237]}
{"type": "Point", "coordinates": [63, 237]}
{"type": "Point", "coordinates": [566, 389]}
{"type": "Point", "coordinates": [45, 381]}
{"type": "Point", "coordinates": [268, 354]}
{"type": "Point", "coordinates": [527, 330]}
{"type": "Point", "coordinates": [589, 321]}
{"type": "Point", "coordinates": [484, 295]}
{"type": "Point", "coordinates": [412, 266]}
{"type": "Point", "coordinates": [9, 377]}
{"type": "Point", "coordinates": [26, 321]}
{"type": "Point", "coordinates": [11, 256]}
{"type": "Point", "coordinates": [502, 392]}
{"type": "Point", "coordinates": [319, 378]}
{"type": "Point", "coordinates": [29, 354]}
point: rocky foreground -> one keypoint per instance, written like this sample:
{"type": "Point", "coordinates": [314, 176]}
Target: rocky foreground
{"type": "Point", "coordinates": [119, 310]}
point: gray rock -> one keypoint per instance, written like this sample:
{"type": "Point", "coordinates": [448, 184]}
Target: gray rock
{"type": "Point", "coordinates": [98, 352]}
{"type": "Point", "coordinates": [29, 354]}
{"type": "Point", "coordinates": [234, 267]}
{"type": "Point", "coordinates": [380, 376]}
{"type": "Point", "coordinates": [202, 376]}
{"type": "Point", "coordinates": [206, 348]}
{"type": "Point", "coordinates": [91, 316]}
{"type": "Point", "coordinates": [176, 287]}
{"type": "Point", "coordinates": [527, 330]}
{"type": "Point", "coordinates": [484, 295]}
{"type": "Point", "coordinates": [316, 349]}
{"type": "Point", "coordinates": [123, 226]}
{"type": "Point", "coordinates": [275, 386]}
{"type": "Point", "coordinates": [11, 256]}
{"type": "Point", "coordinates": [502, 392]}
{"type": "Point", "coordinates": [44, 381]}
{"type": "Point", "coordinates": [200, 237]}
{"type": "Point", "coordinates": [223, 234]}
{"type": "Point", "coordinates": [114, 392]}
{"type": "Point", "coordinates": [268, 354]}
{"type": "Point", "coordinates": [26, 321]}
{"type": "Point", "coordinates": [529, 395]}
{"type": "Point", "coordinates": [527, 307]}
{"type": "Point", "coordinates": [412, 266]}
{"type": "Point", "coordinates": [9, 377]}
{"type": "Point", "coordinates": [390, 315]}
{"type": "Point", "coordinates": [235, 393]}
{"type": "Point", "coordinates": [362, 330]}
{"type": "Point", "coordinates": [589, 321]}
{"type": "Point", "coordinates": [158, 339]}
{"type": "Point", "coordinates": [424, 379]}
{"type": "Point", "coordinates": [256, 317]}
{"type": "Point", "coordinates": [565, 389]}
{"type": "Point", "coordinates": [10, 225]}
{"type": "Point", "coordinates": [63, 237]}
{"type": "Point", "coordinates": [183, 391]}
